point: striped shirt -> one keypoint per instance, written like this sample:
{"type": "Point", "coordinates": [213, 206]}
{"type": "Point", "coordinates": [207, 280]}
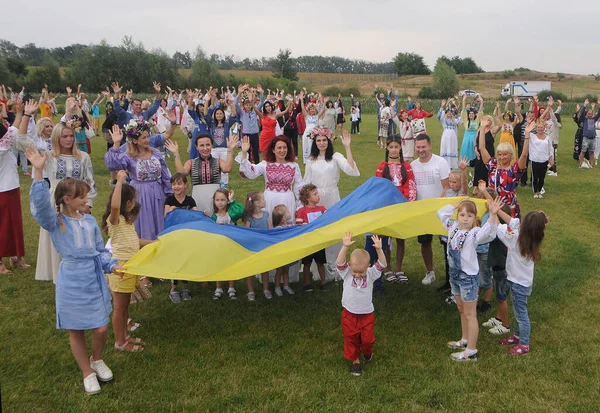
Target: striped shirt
{"type": "Point", "coordinates": [124, 240]}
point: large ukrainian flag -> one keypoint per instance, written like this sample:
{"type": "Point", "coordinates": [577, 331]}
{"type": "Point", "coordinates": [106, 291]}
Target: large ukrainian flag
{"type": "Point", "coordinates": [195, 248]}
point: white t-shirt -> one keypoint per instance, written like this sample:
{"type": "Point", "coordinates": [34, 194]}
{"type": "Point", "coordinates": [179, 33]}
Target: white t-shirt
{"type": "Point", "coordinates": [518, 268]}
{"type": "Point", "coordinates": [358, 295]}
{"type": "Point", "coordinates": [429, 176]}
{"type": "Point", "coordinates": [540, 150]}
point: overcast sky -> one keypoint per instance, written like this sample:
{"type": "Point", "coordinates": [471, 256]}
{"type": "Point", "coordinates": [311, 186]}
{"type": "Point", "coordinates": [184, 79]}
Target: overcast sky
{"type": "Point", "coordinates": [548, 35]}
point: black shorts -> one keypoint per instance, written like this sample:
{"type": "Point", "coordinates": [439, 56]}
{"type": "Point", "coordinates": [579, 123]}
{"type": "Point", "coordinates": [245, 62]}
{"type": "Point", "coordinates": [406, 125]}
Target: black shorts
{"type": "Point", "coordinates": [340, 118]}
{"type": "Point", "coordinates": [425, 239]}
{"type": "Point", "coordinates": [318, 256]}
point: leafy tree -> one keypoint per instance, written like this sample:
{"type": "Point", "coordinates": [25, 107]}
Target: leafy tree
{"type": "Point", "coordinates": [462, 65]}
{"type": "Point", "coordinates": [445, 82]}
{"type": "Point", "coordinates": [48, 73]}
{"type": "Point", "coordinates": [410, 64]}
{"type": "Point", "coordinates": [16, 66]}
{"type": "Point", "coordinates": [284, 65]}
{"type": "Point", "coordinates": [205, 72]}
{"type": "Point", "coordinates": [183, 59]}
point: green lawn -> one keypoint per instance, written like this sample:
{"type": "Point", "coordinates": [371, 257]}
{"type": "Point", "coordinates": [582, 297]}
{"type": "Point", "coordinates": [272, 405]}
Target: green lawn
{"type": "Point", "coordinates": [287, 354]}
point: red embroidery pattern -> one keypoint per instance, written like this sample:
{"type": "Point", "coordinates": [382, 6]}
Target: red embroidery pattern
{"type": "Point", "coordinates": [280, 177]}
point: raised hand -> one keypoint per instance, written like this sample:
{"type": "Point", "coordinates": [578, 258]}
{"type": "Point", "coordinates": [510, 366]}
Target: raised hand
{"type": "Point", "coordinates": [115, 87]}
{"type": "Point", "coordinates": [481, 185]}
{"type": "Point", "coordinates": [464, 162]}
{"type": "Point", "coordinates": [171, 116]}
{"type": "Point", "coordinates": [31, 107]}
{"type": "Point", "coordinates": [443, 103]}
{"type": "Point", "coordinates": [232, 142]}
{"type": "Point", "coordinates": [494, 206]}
{"type": "Point", "coordinates": [586, 102]}
{"type": "Point", "coordinates": [70, 104]}
{"type": "Point", "coordinates": [376, 242]}
{"type": "Point", "coordinates": [116, 134]}
{"type": "Point", "coordinates": [35, 157]}
{"type": "Point", "coordinates": [245, 144]}
{"type": "Point", "coordinates": [346, 139]}
{"type": "Point", "coordinates": [156, 87]}
{"type": "Point", "coordinates": [121, 175]}
{"type": "Point", "coordinates": [578, 107]}
{"type": "Point", "coordinates": [231, 195]}
{"type": "Point", "coordinates": [530, 127]}
{"type": "Point", "coordinates": [69, 90]}
{"type": "Point", "coordinates": [172, 146]}
{"type": "Point", "coordinates": [347, 239]}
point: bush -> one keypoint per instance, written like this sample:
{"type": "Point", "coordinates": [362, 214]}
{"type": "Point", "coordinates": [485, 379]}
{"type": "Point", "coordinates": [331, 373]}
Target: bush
{"type": "Point", "coordinates": [508, 74]}
{"type": "Point", "coordinates": [332, 92]}
{"type": "Point", "coordinates": [522, 69]}
{"type": "Point", "coordinates": [427, 92]}
{"type": "Point", "coordinates": [354, 90]}
{"type": "Point", "coordinates": [543, 95]}
{"type": "Point", "coordinates": [589, 96]}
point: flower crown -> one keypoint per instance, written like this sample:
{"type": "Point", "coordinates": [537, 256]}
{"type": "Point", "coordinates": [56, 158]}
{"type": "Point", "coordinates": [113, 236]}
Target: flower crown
{"type": "Point", "coordinates": [508, 113]}
{"type": "Point", "coordinates": [322, 132]}
{"type": "Point", "coordinates": [545, 215]}
{"type": "Point", "coordinates": [135, 128]}
{"type": "Point", "coordinates": [75, 123]}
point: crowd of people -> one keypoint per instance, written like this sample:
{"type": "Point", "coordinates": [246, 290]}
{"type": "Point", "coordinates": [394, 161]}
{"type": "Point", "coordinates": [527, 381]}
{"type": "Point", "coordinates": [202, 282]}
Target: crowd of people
{"type": "Point", "coordinates": [268, 129]}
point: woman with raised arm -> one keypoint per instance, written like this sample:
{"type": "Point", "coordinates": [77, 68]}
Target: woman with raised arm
{"type": "Point", "coordinates": [471, 118]}
{"type": "Point", "coordinates": [78, 121]}
{"type": "Point", "coordinates": [147, 170]}
{"type": "Point", "coordinates": [311, 119]}
{"type": "Point", "coordinates": [268, 119]}
{"type": "Point", "coordinates": [504, 172]}
{"type": "Point", "coordinates": [487, 130]}
{"type": "Point", "coordinates": [449, 143]}
{"type": "Point", "coordinates": [12, 244]}
{"type": "Point", "coordinates": [508, 123]}
{"type": "Point", "coordinates": [205, 170]}
{"type": "Point", "coordinates": [283, 179]}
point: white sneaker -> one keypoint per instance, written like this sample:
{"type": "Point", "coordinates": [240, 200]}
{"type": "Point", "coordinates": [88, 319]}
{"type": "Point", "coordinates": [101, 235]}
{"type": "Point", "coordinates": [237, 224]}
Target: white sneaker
{"type": "Point", "coordinates": [492, 322]}
{"type": "Point", "coordinates": [429, 278]}
{"type": "Point", "coordinates": [288, 290]}
{"type": "Point", "coordinates": [278, 292]}
{"type": "Point", "coordinates": [91, 385]}
{"type": "Point", "coordinates": [543, 191]}
{"type": "Point", "coordinates": [102, 371]}
{"type": "Point", "coordinates": [499, 330]}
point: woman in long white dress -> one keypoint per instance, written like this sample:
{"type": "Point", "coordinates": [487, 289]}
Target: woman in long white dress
{"type": "Point", "coordinates": [63, 161]}
{"type": "Point", "coordinates": [323, 170]}
{"type": "Point", "coordinates": [311, 119]}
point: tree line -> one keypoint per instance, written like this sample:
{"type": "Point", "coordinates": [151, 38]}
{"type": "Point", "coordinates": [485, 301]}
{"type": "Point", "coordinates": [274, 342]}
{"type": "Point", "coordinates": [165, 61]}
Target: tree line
{"type": "Point", "coordinates": [133, 65]}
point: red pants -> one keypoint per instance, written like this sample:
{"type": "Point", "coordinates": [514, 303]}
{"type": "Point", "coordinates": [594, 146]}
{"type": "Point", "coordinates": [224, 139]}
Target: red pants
{"type": "Point", "coordinates": [358, 333]}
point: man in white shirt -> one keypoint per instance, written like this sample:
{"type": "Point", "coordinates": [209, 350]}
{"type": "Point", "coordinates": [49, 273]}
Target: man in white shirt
{"type": "Point", "coordinates": [431, 175]}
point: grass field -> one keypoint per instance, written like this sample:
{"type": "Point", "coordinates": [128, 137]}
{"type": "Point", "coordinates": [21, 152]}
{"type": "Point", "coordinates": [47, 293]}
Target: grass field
{"type": "Point", "coordinates": [287, 354]}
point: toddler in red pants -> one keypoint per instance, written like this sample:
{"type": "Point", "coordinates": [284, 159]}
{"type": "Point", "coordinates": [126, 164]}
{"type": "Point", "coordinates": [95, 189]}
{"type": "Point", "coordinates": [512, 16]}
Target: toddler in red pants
{"type": "Point", "coordinates": [358, 317]}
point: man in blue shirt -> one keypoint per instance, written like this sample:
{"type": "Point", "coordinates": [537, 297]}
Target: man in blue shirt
{"type": "Point", "coordinates": [123, 117]}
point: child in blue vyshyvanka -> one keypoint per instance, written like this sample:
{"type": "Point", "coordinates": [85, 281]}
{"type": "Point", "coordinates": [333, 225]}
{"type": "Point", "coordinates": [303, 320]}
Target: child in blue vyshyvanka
{"type": "Point", "coordinates": [83, 300]}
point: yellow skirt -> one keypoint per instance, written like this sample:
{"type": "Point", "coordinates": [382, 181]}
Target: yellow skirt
{"type": "Point", "coordinates": [508, 137]}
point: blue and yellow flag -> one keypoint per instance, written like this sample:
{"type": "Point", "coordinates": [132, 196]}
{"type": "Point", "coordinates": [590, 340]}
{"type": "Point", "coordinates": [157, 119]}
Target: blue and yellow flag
{"type": "Point", "coordinates": [195, 248]}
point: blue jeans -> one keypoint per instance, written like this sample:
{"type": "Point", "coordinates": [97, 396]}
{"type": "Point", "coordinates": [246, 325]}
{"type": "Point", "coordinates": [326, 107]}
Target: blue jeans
{"type": "Point", "coordinates": [462, 284]}
{"type": "Point", "coordinates": [373, 255]}
{"type": "Point", "coordinates": [522, 327]}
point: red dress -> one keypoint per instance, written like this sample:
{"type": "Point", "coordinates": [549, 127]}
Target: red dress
{"type": "Point", "coordinates": [268, 132]}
